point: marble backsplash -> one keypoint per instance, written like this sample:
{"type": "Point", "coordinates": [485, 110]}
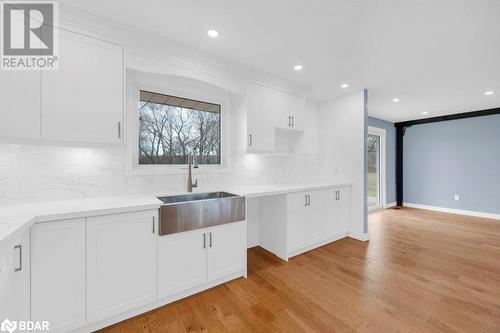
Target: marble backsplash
{"type": "Point", "coordinates": [38, 173]}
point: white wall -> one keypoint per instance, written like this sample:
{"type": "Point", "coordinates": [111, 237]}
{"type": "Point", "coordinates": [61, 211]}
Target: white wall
{"type": "Point", "coordinates": [342, 137]}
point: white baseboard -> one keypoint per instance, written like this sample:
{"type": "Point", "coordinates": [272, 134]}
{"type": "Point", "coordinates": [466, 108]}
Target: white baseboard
{"type": "Point", "coordinates": [454, 211]}
{"type": "Point", "coordinates": [390, 205]}
{"type": "Point", "coordinates": [359, 236]}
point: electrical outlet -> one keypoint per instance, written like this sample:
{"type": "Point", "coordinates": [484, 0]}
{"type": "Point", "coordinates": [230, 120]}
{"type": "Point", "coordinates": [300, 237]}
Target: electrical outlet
{"type": "Point", "coordinates": [457, 197]}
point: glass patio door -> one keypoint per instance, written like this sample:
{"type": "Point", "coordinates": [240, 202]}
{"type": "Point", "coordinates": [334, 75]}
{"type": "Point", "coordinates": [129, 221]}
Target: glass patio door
{"type": "Point", "coordinates": [374, 177]}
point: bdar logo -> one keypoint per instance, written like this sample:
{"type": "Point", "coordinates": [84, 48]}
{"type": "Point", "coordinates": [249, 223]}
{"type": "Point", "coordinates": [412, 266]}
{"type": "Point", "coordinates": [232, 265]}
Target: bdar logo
{"type": "Point", "coordinates": [8, 326]}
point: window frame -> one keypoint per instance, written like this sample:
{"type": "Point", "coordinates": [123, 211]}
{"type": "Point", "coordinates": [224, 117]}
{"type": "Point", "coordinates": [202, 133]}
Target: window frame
{"type": "Point", "coordinates": [141, 82]}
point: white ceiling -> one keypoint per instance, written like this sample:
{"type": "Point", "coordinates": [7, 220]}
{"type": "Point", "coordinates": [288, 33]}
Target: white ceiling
{"type": "Point", "coordinates": [437, 56]}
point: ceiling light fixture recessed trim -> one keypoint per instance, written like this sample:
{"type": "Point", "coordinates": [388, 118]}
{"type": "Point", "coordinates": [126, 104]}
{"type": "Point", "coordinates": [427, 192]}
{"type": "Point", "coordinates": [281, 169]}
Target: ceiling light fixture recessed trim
{"type": "Point", "coordinates": [425, 112]}
{"type": "Point", "coordinates": [395, 99]}
{"type": "Point", "coordinates": [212, 33]}
{"type": "Point", "coordinates": [298, 67]}
{"type": "Point", "coordinates": [489, 92]}
{"type": "Point", "coordinates": [344, 85]}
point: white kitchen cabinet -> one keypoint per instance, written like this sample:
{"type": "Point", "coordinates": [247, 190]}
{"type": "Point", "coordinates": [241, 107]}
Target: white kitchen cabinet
{"type": "Point", "coordinates": [262, 106]}
{"type": "Point", "coordinates": [15, 279]}
{"type": "Point", "coordinates": [343, 209]}
{"type": "Point", "coordinates": [226, 250]}
{"type": "Point", "coordinates": [58, 274]}
{"type": "Point", "coordinates": [121, 263]}
{"type": "Point", "coordinates": [296, 220]}
{"type": "Point", "coordinates": [182, 261]}
{"type": "Point", "coordinates": [83, 100]}
{"type": "Point", "coordinates": [195, 258]}
{"type": "Point", "coordinates": [20, 110]}
{"type": "Point", "coordinates": [291, 111]}
{"type": "Point", "coordinates": [316, 217]}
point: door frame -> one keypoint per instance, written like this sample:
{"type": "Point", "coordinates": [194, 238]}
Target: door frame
{"type": "Point", "coordinates": [380, 132]}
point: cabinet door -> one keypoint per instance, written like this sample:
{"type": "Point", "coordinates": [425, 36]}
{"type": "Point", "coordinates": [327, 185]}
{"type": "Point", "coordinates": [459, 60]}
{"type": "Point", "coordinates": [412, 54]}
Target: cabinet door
{"type": "Point", "coordinates": [261, 113]}
{"type": "Point", "coordinates": [316, 221]}
{"type": "Point", "coordinates": [292, 106]}
{"type": "Point", "coordinates": [58, 274]}
{"type": "Point", "coordinates": [332, 227]}
{"type": "Point", "coordinates": [182, 262]}
{"type": "Point", "coordinates": [83, 100]}
{"type": "Point", "coordinates": [296, 220]}
{"type": "Point", "coordinates": [20, 110]}
{"type": "Point", "coordinates": [121, 263]}
{"type": "Point", "coordinates": [226, 250]}
{"type": "Point", "coordinates": [344, 209]}
{"type": "Point", "coordinates": [15, 279]}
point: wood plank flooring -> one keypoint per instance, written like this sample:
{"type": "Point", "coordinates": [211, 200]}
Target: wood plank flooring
{"type": "Point", "coordinates": [421, 271]}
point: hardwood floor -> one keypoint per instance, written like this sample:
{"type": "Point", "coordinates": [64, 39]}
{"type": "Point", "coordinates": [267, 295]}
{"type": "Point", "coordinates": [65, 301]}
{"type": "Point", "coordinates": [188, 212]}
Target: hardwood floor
{"type": "Point", "coordinates": [421, 271]}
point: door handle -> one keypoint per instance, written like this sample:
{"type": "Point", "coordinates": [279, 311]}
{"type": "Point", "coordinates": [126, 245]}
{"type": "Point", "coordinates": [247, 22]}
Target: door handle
{"type": "Point", "coordinates": [305, 203]}
{"type": "Point", "coordinates": [249, 139]}
{"type": "Point", "coordinates": [289, 121]}
{"type": "Point", "coordinates": [204, 240]}
{"type": "Point", "coordinates": [308, 200]}
{"type": "Point", "coordinates": [20, 267]}
{"type": "Point", "coordinates": [210, 239]}
{"type": "Point", "coordinates": [293, 121]}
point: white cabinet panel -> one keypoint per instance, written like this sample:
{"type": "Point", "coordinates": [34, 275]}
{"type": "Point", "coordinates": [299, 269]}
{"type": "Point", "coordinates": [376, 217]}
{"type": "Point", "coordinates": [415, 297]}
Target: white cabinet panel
{"type": "Point", "coordinates": [261, 114]}
{"type": "Point", "coordinates": [20, 104]}
{"type": "Point", "coordinates": [343, 209]}
{"type": "Point", "coordinates": [121, 263]}
{"type": "Point", "coordinates": [290, 110]}
{"type": "Point", "coordinates": [316, 216]}
{"type": "Point", "coordinates": [182, 261]}
{"type": "Point", "coordinates": [15, 279]}
{"type": "Point", "coordinates": [58, 274]}
{"type": "Point", "coordinates": [83, 100]}
{"type": "Point", "coordinates": [226, 250]}
{"type": "Point", "coordinates": [296, 220]}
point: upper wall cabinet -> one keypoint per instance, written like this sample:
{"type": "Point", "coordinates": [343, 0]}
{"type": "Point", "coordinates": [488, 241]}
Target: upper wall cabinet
{"type": "Point", "coordinates": [83, 100]}
{"type": "Point", "coordinates": [267, 110]}
{"type": "Point", "coordinates": [262, 103]}
{"type": "Point", "coordinates": [20, 104]}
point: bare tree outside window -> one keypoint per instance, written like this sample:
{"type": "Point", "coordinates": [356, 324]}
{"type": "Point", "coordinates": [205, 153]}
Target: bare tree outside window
{"type": "Point", "coordinates": [172, 128]}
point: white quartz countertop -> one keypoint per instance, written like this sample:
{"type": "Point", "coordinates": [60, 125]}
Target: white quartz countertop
{"type": "Point", "coordinates": [18, 218]}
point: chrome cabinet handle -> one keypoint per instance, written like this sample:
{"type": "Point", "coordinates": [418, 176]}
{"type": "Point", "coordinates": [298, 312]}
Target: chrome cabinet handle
{"type": "Point", "coordinates": [154, 225]}
{"type": "Point", "coordinates": [20, 267]}
{"type": "Point", "coordinates": [308, 200]}
{"type": "Point", "coordinates": [249, 139]}
{"type": "Point", "coordinates": [119, 129]}
{"type": "Point", "coordinates": [210, 241]}
{"type": "Point", "coordinates": [289, 121]}
{"type": "Point", "coordinates": [305, 196]}
{"type": "Point", "coordinates": [204, 241]}
{"type": "Point", "coordinates": [293, 121]}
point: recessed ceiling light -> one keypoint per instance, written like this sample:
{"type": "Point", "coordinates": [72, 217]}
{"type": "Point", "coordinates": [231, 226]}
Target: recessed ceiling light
{"type": "Point", "coordinates": [425, 112]}
{"type": "Point", "coordinates": [395, 100]}
{"type": "Point", "coordinates": [489, 92]}
{"type": "Point", "coordinates": [213, 33]}
{"type": "Point", "coordinates": [345, 85]}
{"type": "Point", "coordinates": [298, 67]}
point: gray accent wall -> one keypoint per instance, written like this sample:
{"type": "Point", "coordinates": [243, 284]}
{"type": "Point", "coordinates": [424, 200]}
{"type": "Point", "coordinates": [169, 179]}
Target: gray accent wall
{"type": "Point", "coordinates": [454, 157]}
{"type": "Point", "coordinates": [390, 152]}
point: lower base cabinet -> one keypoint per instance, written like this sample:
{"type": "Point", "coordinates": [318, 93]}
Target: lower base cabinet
{"type": "Point", "coordinates": [314, 217]}
{"type": "Point", "coordinates": [58, 274]}
{"type": "Point", "coordinates": [15, 279]}
{"type": "Point", "coordinates": [121, 263]}
{"type": "Point", "coordinates": [191, 259]}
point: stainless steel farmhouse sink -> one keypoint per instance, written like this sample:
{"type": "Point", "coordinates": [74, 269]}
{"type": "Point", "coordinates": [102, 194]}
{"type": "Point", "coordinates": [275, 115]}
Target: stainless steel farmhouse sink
{"type": "Point", "coordinates": [199, 210]}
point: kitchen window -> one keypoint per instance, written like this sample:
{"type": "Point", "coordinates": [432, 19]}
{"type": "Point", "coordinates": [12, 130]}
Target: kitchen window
{"type": "Point", "coordinates": [171, 128]}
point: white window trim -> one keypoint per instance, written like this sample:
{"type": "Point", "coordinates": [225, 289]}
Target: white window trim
{"type": "Point", "coordinates": [137, 82]}
{"type": "Point", "coordinates": [382, 134]}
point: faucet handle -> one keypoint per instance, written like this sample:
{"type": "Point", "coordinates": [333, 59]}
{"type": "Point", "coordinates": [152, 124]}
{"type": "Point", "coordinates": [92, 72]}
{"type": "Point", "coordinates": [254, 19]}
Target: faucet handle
{"type": "Point", "coordinates": [195, 184]}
